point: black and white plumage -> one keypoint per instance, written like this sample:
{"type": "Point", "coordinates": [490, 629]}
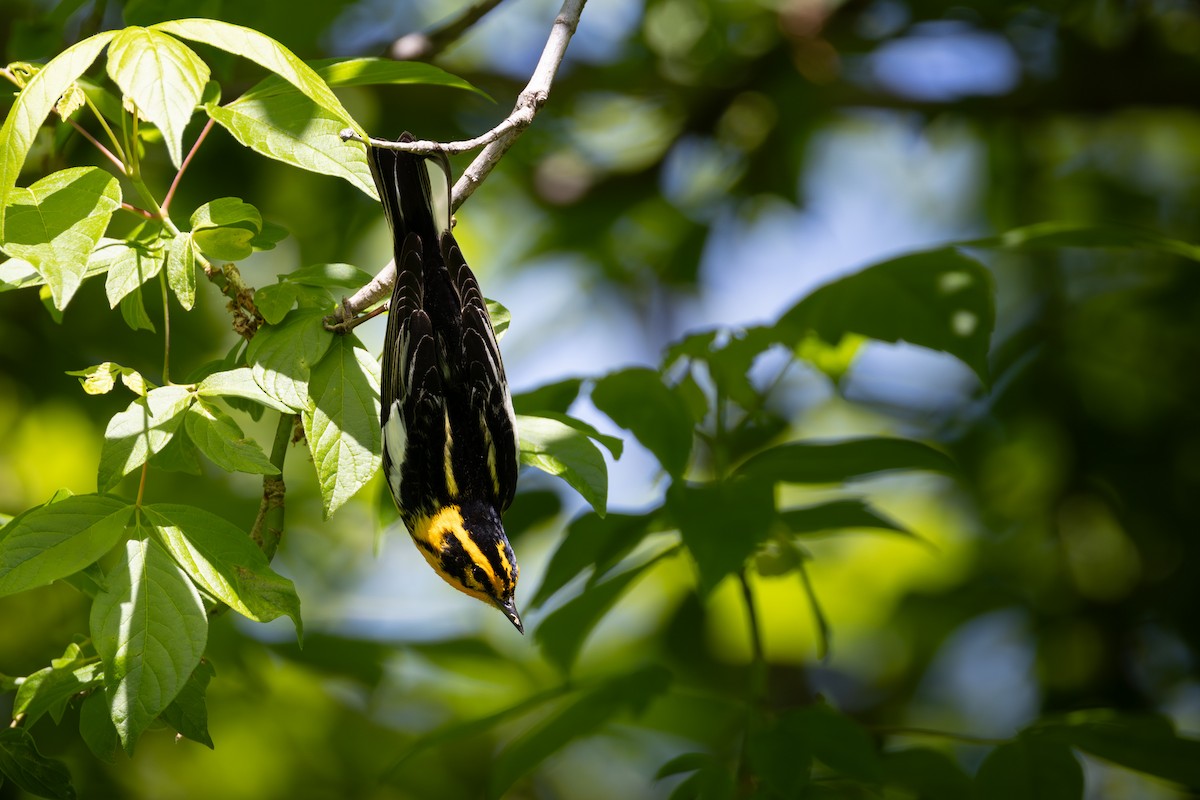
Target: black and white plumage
{"type": "Point", "coordinates": [449, 433]}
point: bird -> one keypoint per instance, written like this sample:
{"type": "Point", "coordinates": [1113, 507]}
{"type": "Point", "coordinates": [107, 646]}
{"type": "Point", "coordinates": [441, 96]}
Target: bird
{"type": "Point", "coordinates": [450, 446]}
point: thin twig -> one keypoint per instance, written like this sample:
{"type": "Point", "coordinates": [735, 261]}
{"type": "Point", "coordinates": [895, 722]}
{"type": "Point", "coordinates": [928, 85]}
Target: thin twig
{"type": "Point", "coordinates": [423, 46]}
{"type": "Point", "coordinates": [141, 212]}
{"type": "Point", "coordinates": [103, 150]}
{"type": "Point", "coordinates": [166, 203]}
{"type": "Point", "coordinates": [900, 730]}
{"type": "Point", "coordinates": [268, 525]}
{"type": "Point", "coordinates": [495, 142]}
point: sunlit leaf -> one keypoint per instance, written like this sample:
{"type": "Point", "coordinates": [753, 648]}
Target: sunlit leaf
{"type": "Point", "coordinates": [282, 356]}
{"type": "Point", "coordinates": [223, 560]}
{"type": "Point", "coordinates": [500, 317]}
{"type": "Point", "coordinates": [49, 689]}
{"type": "Point", "coordinates": [275, 300]}
{"type": "Point", "coordinates": [181, 270]}
{"type": "Point", "coordinates": [128, 265]}
{"type": "Point", "coordinates": [56, 222]}
{"type": "Point", "coordinates": [58, 539]}
{"type": "Point", "coordinates": [238, 383]}
{"type": "Point", "coordinates": [143, 428]}
{"type": "Point", "coordinates": [33, 105]}
{"type": "Point", "coordinates": [162, 76]}
{"type": "Point", "coordinates": [224, 229]}
{"type": "Point", "coordinates": [101, 378]}
{"type": "Point", "coordinates": [342, 425]}
{"type": "Point", "coordinates": [558, 449]}
{"type": "Point", "coordinates": [329, 276]}
{"type": "Point", "coordinates": [369, 72]}
{"type": "Point", "coordinates": [150, 629]}
{"type": "Point", "coordinates": [217, 436]}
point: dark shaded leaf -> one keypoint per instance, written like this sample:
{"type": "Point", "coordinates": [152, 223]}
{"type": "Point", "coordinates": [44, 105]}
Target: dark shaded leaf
{"type": "Point", "coordinates": [1144, 743]}
{"type": "Point", "coordinates": [1057, 235]}
{"type": "Point", "coordinates": [578, 719]}
{"type": "Point", "coordinates": [843, 460]}
{"type": "Point", "coordinates": [639, 401]}
{"type": "Point", "coordinates": [930, 774]}
{"type": "Point", "coordinates": [556, 397]}
{"type": "Point", "coordinates": [940, 299]}
{"type": "Point", "coordinates": [1030, 767]}
{"type": "Point", "coordinates": [592, 540]}
{"type": "Point", "coordinates": [838, 515]}
{"type": "Point", "coordinates": [838, 741]}
{"type": "Point", "coordinates": [22, 764]}
{"type": "Point", "coordinates": [96, 727]}
{"type": "Point", "coordinates": [721, 523]}
{"type": "Point", "coordinates": [188, 713]}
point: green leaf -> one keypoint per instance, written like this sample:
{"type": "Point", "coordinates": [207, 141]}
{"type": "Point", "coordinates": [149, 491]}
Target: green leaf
{"type": "Point", "coordinates": [369, 72]}
{"type": "Point", "coordinates": [613, 444]}
{"type": "Point", "coordinates": [556, 397]}
{"type": "Point", "coordinates": [929, 774]}
{"type": "Point", "coordinates": [563, 632]}
{"type": "Point", "coordinates": [500, 317]}
{"type": "Point", "coordinates": [580, 718]}
{"type": "Point", "coordinates": [56, 222]}
{"type": "Point", "coordinates": [560, 450]}
{"type": "Point", "coordinates": [838, 515]}
{"type": "Point", "coordinates": [778, 758]}
{"type": "Point", "coordinates": [150, 629]}
{"type": "Point", "coordinates": [837, 461]}
{"type": "Point", "coordinates": [266, 52]}
{"type": "Point", "coordinates": [729, 355]}
{"type": "Point", "coordinates": [224, 229]}
{"type": "Point", "coordinates": [940, 299]}
{"type": "Point", "coordinates": [220, 438]}
{"type": "Point", "coordinates": [96, 727]}
{"type": "Point", "coordinates": [227, 212]}
{"type": "Point", "coordinates": [59, 539]}
{"type": "Point", "coordinates": [275, 300]}
{"type": "Point", "coordinates": [188, 713]}
{"type": "Point", "coordinates": [144, 428]}
{"type": "Point", "coordinates": [133, 311]}
{"type": "Point", "coordinates": [329, 276]}
{"type": "Point", "coordinates": [181, 270]}
{"type": "Point", "coordinates": [51, 688]}
{"type": "Point", "coordinates": [162, 76]}
{"type": "Point", "coordinates": [838, 741]}
{"type": "Point", "coordinates": [721, 523]}
{"type": "Point", "coordinates": [129, 265]}
{"type": "Point", "coordinates": [592, 540]}
{"type": "Point", "coordinates": [282, 356]}
{"type": "Point", "coordinates": [639, 401]}
{"type": "Point", "coordinates": [1032, 768]}
{"type": "Point", "coordinates": [17, 273]}
{"type": "Point", "coordinates": [180, 455]}
{"type": "Point", "coordinates": [22, 764]}
{"type": "Point", "coordinates": [293, 129]}
{"type": "Point", "coordinates": [101, 378]}
{"type": "Point", "coordinates": [1074, 234]}
{"type": "Point", "coordinates": [1139, 742]}
{"type": "Point", "coordinates": [686, 762]}
{"type": "Point", "coordinates": [223, 560]}
{"type": "Point", "coordinates": [33, 105]}
{"type": "Point", "coordinates": [342, 426]}
{"type": "Point", "coordinates": [238, 383]}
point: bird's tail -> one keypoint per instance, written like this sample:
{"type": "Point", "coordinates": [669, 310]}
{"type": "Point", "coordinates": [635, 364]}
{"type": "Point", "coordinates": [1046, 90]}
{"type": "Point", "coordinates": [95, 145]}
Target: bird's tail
{"type": "Point", "coordinates": [403, 184]}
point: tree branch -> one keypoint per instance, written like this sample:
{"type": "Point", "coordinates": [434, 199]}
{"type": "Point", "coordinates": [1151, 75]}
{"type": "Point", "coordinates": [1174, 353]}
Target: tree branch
{"type": "Point", "coordinates": [423, 46]}
{"type": "Point", "coordinates": [495, 142]}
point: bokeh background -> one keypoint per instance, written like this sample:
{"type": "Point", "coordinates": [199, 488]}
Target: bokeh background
{"type": "Point", "coordinates": [705, 163]}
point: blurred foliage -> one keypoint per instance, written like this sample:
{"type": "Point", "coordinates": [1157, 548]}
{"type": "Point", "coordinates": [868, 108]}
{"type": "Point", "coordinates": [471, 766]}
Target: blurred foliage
{"type": "Point", "coordinates": [860, 573]}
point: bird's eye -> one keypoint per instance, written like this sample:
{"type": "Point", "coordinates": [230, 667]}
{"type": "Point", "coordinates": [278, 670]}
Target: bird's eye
{"type": "Point", "coordinates": [479, 574]}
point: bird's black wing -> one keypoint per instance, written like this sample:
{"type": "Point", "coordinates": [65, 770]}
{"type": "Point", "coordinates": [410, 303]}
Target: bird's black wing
{"type": "Point", "coordinates": [482, 370]}
{"type": "Point", "coordinates": [412, 396]}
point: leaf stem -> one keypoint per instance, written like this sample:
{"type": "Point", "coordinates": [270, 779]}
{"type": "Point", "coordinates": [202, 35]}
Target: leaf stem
{"type": "Point", "coordinates": [112, 137]}
{"type": "Point", "coordinates": [103, 150]}
{"type": "Point", "coordinates": [142, 483]}
{"type": "Point", "coordinates": [141, 212]}
{"type": "Point", "coordinates": [183, 167]}
{"type": "Point", "coordinates": [758, 675]}
{"type": "Point", "coordinates": [166, 376]}
{"type": "Point", "coordinates": [823, 630]}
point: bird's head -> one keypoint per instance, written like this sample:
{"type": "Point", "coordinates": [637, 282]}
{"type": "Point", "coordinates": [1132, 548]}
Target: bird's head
{"type": "Point", "coordinates": [466, 545]}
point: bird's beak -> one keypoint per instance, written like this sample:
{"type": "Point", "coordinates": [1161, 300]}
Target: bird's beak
{"type": "Point", "coordinates": [509, 607]}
